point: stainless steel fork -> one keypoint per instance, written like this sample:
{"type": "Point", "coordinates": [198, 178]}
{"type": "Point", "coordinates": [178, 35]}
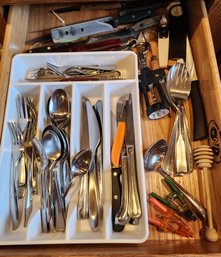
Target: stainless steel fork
{"type": "Point", "coordinates": [17, 178]}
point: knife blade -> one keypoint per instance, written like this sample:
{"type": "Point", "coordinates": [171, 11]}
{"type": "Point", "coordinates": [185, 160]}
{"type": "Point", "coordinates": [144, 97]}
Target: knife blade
{"type": "Point", "coordinates": [93, 194]}
{"type": "Point", "coordinates": [200, 130]}
{"type": "Point", "coordinates": [134, 205]}
{"type": "Point", "coordinates": [82, 205]}
{"type": "Point", "coordinates": [120, 133]}
{"type": "Point", "coordinates": [84, 29]}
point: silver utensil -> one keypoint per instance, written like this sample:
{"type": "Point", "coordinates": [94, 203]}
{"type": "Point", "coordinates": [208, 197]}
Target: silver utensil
{"type": "Point", "coordinates": [16, 195]}
{"type": "Point", "coordinates": [81, 164]}
{"type": "Point", "coordinates": [59, 106]}
{"type": "Point", "coordinates": [134, 205]}
{"type": "Point", "coordinates": [99, 157]}
{"type": "Point", "coordinates": [82, 205]}
{"type": "Point", "coordinates": [179, 86]}
{"type": "Point", "coordinates": [93, 194]}
{"type": "Point", "coordinates": [43, 162]}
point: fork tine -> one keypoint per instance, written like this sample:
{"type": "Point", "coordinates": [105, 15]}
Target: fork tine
{"type": "Point", "coordinates": [12, 133]}
{"type": "Point", "coordinates": [26, 113]}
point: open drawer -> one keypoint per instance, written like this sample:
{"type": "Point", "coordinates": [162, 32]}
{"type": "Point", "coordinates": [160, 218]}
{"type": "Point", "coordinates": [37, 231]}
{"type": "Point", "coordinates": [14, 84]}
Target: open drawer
{"type": "Point", "coordinates": [23, 19]}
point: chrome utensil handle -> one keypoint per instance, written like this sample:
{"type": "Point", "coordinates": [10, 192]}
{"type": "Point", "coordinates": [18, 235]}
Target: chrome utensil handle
{"type": "Point", "coordinates": [134, 206]}
{"type": "Point", "coordinates": [93, 202]}
{"type": "Point", "coordinates": [59, 207]}
{"type": "Point", "coordinates": [82, 205]}
{"type": "Point", "coordinates": [168, 162]}
{"type": "Point", "coordinates": [180, 149]}
{"type": "Point", "coordinates": [122, 217]}
{"type": "Point", "coordinates": [14, 211]}
{"type": "Point", "coordinates": [183, 150]}
{"type": "Point", "coordinates": [45, 202]}
{"type": "Point", "coordinates": [28, 196]}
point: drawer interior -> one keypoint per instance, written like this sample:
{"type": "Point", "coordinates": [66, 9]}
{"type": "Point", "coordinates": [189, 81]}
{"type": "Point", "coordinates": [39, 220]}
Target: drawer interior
{"type": "Point", "coordinates": [31, 20]}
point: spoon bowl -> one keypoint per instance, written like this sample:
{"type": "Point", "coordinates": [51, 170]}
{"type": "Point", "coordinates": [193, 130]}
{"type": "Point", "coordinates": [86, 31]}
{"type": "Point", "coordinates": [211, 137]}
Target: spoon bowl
{"type": "Point", "coordinates": [58, 106]}
{"type": "Point", "coordinates": [82, 163]}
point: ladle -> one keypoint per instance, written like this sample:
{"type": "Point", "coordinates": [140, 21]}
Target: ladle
{"type": "Point", "coordinates": [153, 157]}
{"type": "Point", "coordinates": [82, 163]}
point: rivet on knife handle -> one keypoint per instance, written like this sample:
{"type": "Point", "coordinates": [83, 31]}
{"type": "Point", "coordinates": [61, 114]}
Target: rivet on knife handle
{"type": "Point", "coordinates": [122, 216]}
{"type": "Point", "coordinates": [116, 197]}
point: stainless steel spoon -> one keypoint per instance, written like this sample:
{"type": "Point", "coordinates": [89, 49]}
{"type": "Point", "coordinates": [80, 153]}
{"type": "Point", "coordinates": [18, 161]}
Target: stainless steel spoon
{"type": "Point", "coordinates": [59, 106]}
{"type": "Point", "coordinates": [53, 146]}
{"type": "Point", "coordinates": [82, 163]}
{"type": "Point", "coordinates": [153, 158]}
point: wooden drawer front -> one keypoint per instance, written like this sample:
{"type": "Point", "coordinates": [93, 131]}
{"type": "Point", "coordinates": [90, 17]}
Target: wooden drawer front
{"type": "Point", "coordinates": [31, 18]}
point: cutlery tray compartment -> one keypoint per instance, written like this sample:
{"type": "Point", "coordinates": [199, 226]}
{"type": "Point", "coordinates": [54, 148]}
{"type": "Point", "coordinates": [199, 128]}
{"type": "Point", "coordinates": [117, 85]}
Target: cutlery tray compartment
{"type": "Point", "coordinates": [77, 231]}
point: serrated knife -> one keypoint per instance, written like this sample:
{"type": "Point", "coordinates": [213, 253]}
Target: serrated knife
{"type": "Point", "coordinates": [134, 205]}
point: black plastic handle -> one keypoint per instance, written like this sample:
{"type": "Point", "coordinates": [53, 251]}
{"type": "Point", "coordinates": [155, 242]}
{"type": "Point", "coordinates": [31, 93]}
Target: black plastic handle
{"type": "Point", "coordinates": [116, 197]}
{"type": "Point", "coordinates": [132, 18]}
{"type": "Point", "coordinates": [200, 130]}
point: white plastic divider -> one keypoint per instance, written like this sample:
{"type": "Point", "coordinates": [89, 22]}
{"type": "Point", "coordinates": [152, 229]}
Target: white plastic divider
{"type": "Point", "coordinates": [77, 231]}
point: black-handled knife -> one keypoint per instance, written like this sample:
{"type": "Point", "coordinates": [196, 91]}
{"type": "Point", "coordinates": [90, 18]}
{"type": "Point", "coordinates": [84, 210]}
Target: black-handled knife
{"type": "Point", "coordinates": [116, 197]}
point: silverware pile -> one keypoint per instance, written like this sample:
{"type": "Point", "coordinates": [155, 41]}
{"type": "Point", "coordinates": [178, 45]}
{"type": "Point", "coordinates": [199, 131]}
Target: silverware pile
{"type": "Point", "coordinates": [75, 73]}
{"type": "Point", "coordinates": [43, 167]}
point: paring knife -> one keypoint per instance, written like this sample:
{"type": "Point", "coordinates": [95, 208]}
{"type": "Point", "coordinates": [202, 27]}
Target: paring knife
{"type": "Point", "coordinates": [134, 205]}
{"type": "Point", "coordinates": [115, 159]}
{"type": "Point", "coordinates": [84, 29]}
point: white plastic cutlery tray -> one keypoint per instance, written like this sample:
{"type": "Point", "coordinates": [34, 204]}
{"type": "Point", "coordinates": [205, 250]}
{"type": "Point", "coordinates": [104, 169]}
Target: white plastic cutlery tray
{"type": "Point", "coordinates": [77, 231]}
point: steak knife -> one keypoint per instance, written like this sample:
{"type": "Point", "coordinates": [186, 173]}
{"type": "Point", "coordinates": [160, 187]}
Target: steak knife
{"type": "Point", "coordinates": [134, 205]}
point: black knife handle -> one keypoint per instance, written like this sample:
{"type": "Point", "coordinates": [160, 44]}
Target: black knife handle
{"type": "Point", "coordinates": [200, 130]}
{"type": "Point", "coordinates": [132, 18]}
{"type": "Point", "coordinates": [116, 197]}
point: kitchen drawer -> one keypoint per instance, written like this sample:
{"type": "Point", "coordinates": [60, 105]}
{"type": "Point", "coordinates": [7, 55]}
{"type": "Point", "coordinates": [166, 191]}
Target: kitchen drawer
{"type": "Point", "coordinates": [22, 21]}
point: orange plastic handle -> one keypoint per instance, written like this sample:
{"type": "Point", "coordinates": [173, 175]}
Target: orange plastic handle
{"type": "Point", "coordinates": [118, 143]}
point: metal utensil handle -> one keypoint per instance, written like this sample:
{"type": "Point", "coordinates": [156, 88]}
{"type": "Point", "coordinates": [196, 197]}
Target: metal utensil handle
{"type": "Point", "coordinates": [82, 205]}
{"type": "Point", "coordinates": [122, 217]}
{"type": "Point", "coordinates": [93, 201]}
{"type": "Point", "coordinates": [180, 149]}
{"type": "Point", "coordinates": [134, 207]}
{"type": "Point", "coordinates": [168, 162]}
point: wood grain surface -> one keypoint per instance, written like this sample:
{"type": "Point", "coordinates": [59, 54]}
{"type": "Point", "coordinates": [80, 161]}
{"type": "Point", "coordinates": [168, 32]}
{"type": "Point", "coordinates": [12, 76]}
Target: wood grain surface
{"type": "Point", "coordinates": [35, 21]}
